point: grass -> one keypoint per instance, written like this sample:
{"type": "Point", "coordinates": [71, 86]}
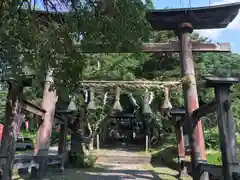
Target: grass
{"type": "Point", "coordinates": [167, 154]}
{"type": "Point", "coordinates": [214, 157]}
{"type": "Point", "coordinates": [169, 174]}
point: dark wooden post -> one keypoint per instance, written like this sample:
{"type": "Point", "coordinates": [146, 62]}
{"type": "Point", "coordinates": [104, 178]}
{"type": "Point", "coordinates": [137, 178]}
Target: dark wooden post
{"type": "Point", "coordinates": [12, 124]}
{"type": "Point", "coordinates": [226, 123]}
{"type": "Point", "coordinates": [178, 121]}
{"type": "Point", "coordinates": [62, 146]}
{"type": "Point", "coordinates": [8, 143]}
{"type": "Point", "coordinates": [190, 95]}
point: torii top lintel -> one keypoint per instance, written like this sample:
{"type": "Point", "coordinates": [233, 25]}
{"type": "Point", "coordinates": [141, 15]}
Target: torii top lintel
{"type": "Point", "coordinates": [209, 17]}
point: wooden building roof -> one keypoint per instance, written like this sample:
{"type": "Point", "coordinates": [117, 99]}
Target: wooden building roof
{"type": "Point", "coordinates": [209, 17]}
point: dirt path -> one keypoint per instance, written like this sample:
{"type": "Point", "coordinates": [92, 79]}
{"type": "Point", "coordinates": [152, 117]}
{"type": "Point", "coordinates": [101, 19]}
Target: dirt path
{"type": "Point", "coordinates": [119, 170]}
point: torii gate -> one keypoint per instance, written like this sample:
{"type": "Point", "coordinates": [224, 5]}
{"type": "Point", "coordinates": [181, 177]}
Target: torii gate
{"type": "Point", "coordinates": [183, 21]}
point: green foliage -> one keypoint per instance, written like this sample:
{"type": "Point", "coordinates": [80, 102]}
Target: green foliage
{"type": "Point", "coordinates": [214, 158]}
{"type": "Point", "coordinates": [118, 25]}
{"type": "Point", "coordinates": [220, 64]}
{"type": "Point", "coordinates": [55, 136]}
{"type": "Point", "coordinates": [3, 96]}
{"type": "Point", "coordinates": [82, 160]}
{"type": "Point", "coordinates": [211, 137]}
{"type": "Point", "coordinates": [29, 134]}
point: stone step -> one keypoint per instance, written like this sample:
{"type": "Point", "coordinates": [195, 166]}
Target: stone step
{"type": "Point", "coordinates": [123, 159]}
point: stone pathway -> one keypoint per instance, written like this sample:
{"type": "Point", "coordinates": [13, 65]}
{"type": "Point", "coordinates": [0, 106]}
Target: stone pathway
{"type": "Point", "coordinates": [115, 170]}
{"type": "Point", "coordinates": [105, 172]}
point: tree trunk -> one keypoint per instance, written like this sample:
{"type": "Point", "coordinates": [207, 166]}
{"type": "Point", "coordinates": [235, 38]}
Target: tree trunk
{"type": "Point", "coordinates": [45, 128]}
{"type": "Point", "coordinates": [11, 130]}
{"type": "Point", "coordinates": [91, 138]}
{"type": "Point", "coordinates": [91, 144]}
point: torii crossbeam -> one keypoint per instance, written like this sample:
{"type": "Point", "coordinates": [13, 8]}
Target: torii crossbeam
{"type": "Point", "coordinates": [173, 46]}
{"type": "Point", "coordinates": [197, 46]}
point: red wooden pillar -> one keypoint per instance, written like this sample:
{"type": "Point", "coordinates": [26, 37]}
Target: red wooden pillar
{"type": "Point", "coordinates": [181, 148]}
{"type": "Point", "coordinates": [190, 93]}
{"type": "Point", "coordinates": [180, 143]}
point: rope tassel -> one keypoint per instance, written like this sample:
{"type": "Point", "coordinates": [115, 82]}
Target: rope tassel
{"type": "Point", "coordinates": [72, 106]}
{"type": "Point", "coordinates": [146, 107]}
{"type": "Point", "coordinates": [117, 105]}
{"type": "Point", "coordinates": [91, 104]}
{"type": "Point", "coordinates": [166, 103]}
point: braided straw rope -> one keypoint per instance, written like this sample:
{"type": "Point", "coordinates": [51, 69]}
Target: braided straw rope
{"type": "Point", "coordinates": [131, 84]}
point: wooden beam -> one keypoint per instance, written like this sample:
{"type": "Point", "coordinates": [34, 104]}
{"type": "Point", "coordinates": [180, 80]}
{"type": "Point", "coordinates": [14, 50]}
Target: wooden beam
{"type": "Point", "coordinates": [175, 47]}
{"type": "Point", "coordinates": [172, 46]}
{"type": "Point", "coordinates": [59, 119]}
{"type": "Point", "coordinates": [226, 127]}
{"type": "Point", "coordinates": [21, 158]}
{"type": "Point", "coordinates": [32, 108]}
{"type": "Point", "coordinates": [24, 161]}
{"type": "Point", "coordinates": [204, 110]}
{"type": "Point", "coordinates": [215, 170]}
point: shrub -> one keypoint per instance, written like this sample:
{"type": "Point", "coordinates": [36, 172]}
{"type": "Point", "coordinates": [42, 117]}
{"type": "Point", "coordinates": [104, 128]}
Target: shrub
{"type": "Point", "coordinates": [211, 138]}
{"type": "Point", "coordinates": [82, 160]}
{"type": "Point", "coordinates": [214, 158]}
{"type": "Point", "coordinates": [55, 135]}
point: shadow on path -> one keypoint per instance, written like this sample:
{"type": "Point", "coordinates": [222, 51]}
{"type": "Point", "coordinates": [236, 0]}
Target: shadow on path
{"type": "Point", "coordinates": [115, 171]}
{"type": "Point", "coordinates": [99, 174]}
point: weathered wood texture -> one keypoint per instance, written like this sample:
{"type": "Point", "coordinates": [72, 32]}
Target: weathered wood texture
{"type": "Point", "coordinates": [11, 130]}
{"type": "Point", "coordinates": [209, 17]}
{"type": "Point", "coordinates": [33, 108]}
{"type": "Point", "coordinates": [195, 47]}
{"type": "Point", "coordinates": [36, 110]}
{"type": "Point", "coordinates": [226, 124]}
{"type": "Point", "coordinates": [204, 110]}
{"type": "Point", "coordinates": [214, 170]}
{"type": "Point", "coordinates": [180, 144]}
{"type": "Point", "coordinates": [173, 46]}
{"type": "Point", "coordinates": [33, 164]}
{"type": "Point", "coordinates": [196, 137]}
{"type": "Point", "coordinates": [227, 127]}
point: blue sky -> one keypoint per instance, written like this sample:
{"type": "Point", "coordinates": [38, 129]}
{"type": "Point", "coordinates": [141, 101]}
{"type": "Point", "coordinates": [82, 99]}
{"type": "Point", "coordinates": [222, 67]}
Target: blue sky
{"type": "Point", "coordinates": [229, 34]}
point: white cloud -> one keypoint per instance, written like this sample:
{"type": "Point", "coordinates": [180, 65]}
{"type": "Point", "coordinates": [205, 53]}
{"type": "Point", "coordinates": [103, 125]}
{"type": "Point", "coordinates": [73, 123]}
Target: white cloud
{"type": "Point", "coordinates": [215, 33]}
{"type": "Point", "coordinates": [210, 33]}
